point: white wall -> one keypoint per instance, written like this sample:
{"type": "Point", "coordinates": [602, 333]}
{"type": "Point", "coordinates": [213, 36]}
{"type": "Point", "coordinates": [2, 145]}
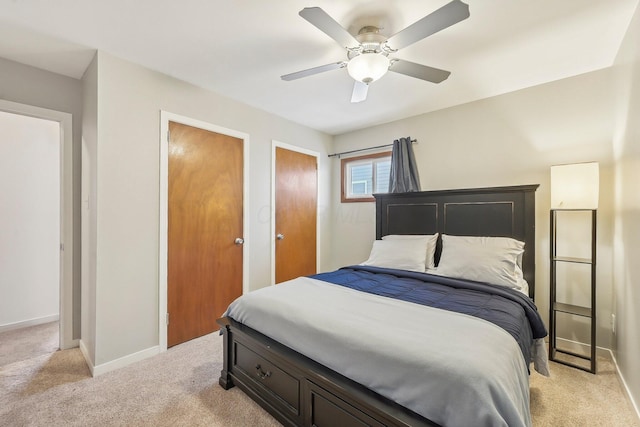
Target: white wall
{"type": "Point", "coordinates": [31, 86]}
{"type": "Point", "coordinates": [129, 100]}
{"type": "Point", "coordinates": [30, 227]}
{"type": "Point", "coordinates": [627, 215]}
{"type": "Point", "coordinates": [510, 139]}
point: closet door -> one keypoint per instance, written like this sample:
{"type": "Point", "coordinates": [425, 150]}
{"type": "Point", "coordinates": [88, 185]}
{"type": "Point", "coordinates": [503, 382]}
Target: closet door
{"type": "Point", "coordinates": [296, 197]}
{"type": "Point", "coordinates": [205, 211]}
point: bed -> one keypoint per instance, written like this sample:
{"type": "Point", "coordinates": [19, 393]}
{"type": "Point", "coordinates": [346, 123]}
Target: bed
{"type": "Point", "coordinates": [336, 349]}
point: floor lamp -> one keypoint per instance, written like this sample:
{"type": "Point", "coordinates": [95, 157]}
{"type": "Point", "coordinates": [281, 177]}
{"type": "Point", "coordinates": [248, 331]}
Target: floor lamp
{"type": "Point", "coordinates": [574, 188]}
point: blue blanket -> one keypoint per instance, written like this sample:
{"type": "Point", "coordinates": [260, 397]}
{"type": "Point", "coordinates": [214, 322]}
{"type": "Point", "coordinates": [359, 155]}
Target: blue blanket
{"type": "Point", "coordinates": [510, 309]}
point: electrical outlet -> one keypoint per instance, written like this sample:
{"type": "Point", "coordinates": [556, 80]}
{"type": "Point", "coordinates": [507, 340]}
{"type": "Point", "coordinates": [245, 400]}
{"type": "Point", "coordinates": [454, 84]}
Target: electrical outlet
{"type": "Point", "coordinates": [613, 323]}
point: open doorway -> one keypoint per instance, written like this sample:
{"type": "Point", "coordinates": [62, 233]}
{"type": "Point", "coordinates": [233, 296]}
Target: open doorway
{"type": "Point", "coordinates": [36, 231]}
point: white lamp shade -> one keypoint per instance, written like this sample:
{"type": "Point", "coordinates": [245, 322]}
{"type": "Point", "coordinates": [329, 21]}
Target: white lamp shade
{"type": "Point", "coordinates": [368, 67]}
{"type": "Point", "coordinates": [575, 186]}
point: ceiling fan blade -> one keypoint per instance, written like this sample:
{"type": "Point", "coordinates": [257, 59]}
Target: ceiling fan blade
{"type": "Point", "coordinates": [419, 71]}
{"type": "Point", "coordinates": [359, 92]}
{"type": "Point", "coordinates": [442, 18]}
{"type": "Point", "coordinates": [329, 26]}
{"type": "Point", "coordinates": [314, 70]}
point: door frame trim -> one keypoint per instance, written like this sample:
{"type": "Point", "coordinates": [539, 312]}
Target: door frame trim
{"type": "Point", "coordinates": [277, 144]}
{"type": "Point", "coordinates": [66, 210]}
{"type": "Point", "coordinates": [165, 118]}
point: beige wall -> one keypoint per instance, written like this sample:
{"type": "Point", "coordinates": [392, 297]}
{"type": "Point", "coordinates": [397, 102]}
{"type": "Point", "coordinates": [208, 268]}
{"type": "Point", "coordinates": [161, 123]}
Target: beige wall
{"type": "Point", "coordinates": [129, 101]}
{"type": "Point", "coordinates": [506, 140]}
{"type": "Point", "coordinates": [627, 215]}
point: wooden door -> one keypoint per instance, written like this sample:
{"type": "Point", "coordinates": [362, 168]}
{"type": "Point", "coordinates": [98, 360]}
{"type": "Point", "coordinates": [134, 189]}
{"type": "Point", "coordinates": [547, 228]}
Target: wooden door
{"type": "Point", "coordinates": [205, 203]}
{"type": "Point", "coordinates": [296, 195]}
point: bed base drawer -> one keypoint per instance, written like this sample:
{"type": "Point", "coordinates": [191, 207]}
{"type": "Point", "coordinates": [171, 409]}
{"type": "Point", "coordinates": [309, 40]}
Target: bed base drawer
{"type": "Point", "coordinates": [269, 378]}
{"type": "Point", "coordinates": [326, 410]}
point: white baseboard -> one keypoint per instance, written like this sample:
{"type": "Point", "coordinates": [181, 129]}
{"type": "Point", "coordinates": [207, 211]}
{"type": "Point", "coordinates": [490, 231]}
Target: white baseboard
{"type": "Point", "coordinates": [625, 386]}
{"type": "Point", "coordinates": [103, 368]}
{"type": "Point", "coordinates": [30, 322]}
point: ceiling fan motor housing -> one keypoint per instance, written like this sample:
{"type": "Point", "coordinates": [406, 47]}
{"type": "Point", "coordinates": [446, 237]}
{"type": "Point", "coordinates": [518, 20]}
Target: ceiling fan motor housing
{"type": "Point", "coordinates": [371, 41]}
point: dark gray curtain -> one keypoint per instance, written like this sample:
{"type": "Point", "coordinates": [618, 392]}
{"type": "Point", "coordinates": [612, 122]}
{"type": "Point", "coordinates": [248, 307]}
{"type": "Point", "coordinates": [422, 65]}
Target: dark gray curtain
{"type": "Point", "coordinates": [404, 171]}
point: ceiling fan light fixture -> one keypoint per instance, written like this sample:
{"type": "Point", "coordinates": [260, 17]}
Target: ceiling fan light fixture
{"type": "Point", "coordinates": [368, 67]}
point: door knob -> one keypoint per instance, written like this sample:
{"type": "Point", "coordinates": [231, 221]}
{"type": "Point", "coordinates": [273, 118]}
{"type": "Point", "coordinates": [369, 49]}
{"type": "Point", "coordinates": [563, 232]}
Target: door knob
{"type": "Point", "coordinates": [280, 236]}
{"type": "Point", "coordinates": [239, 241]}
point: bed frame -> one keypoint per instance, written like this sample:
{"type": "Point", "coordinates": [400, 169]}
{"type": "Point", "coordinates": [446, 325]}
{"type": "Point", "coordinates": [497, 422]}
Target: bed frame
{"type": "Point", "coordinates": [497, 211]}
{"type": "Point", "coordinates": [298, 391]}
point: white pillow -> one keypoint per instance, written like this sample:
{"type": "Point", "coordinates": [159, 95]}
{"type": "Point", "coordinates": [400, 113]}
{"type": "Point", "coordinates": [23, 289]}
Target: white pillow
{"type": "Point", "coordinates": [482, 259]}
{"type": "Point", "coordinates": [523, 285]}
{"type": "Point", "coordinates": [429, 241]}
{"type": "Point", "coordinates": [405, 254]}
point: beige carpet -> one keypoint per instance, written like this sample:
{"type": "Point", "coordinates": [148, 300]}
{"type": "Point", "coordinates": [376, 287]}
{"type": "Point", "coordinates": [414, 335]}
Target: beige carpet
{"type": "Point", "coordinates": [572, 397]}
{"type": "Point", "coordinates": [179, 388]}
{"type": "Point", "coordinates": [25, 343]}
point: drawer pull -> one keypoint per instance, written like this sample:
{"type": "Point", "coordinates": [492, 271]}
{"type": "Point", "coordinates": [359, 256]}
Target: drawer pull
{"type": "Point", "coordinates": [261, 374]}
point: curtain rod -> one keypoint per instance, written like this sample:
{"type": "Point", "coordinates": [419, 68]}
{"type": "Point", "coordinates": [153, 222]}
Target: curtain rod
{"type": "Point", "coordinates": [365, 149]}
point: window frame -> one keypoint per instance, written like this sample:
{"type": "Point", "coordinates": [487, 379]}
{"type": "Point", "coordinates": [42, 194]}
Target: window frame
{"type": "Point", "coordinates": [344, 178]}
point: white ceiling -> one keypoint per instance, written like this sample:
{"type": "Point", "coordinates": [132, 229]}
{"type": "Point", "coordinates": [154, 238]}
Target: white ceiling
{"type": "Point", "coordinates": [239, 48]}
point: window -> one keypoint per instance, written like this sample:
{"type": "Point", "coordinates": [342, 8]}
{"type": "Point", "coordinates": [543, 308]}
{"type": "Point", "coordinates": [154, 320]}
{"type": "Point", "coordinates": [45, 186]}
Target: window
{"type": "Point", "coordinates": [363, 176]}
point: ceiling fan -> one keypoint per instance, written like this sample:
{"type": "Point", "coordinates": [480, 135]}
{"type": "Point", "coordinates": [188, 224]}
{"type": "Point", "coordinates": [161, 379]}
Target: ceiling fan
{"type": "Point", "coordinates": [368, 52]}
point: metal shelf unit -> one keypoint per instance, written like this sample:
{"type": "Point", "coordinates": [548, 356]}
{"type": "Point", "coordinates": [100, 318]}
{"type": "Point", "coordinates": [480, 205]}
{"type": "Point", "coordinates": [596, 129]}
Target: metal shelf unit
{"type": "Point", "coordinates": [561, 307]}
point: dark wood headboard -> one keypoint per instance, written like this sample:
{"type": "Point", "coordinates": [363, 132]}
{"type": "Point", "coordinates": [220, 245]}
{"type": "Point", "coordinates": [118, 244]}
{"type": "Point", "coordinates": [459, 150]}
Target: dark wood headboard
{"type": "Point", "coordinates": [495, 211]}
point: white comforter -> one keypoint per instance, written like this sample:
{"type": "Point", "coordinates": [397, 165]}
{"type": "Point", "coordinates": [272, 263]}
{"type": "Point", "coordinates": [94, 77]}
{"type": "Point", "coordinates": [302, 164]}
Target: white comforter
{"type": "Point", "coordinates": [453, 369]}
